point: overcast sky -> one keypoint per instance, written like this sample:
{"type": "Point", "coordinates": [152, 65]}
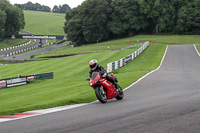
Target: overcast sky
{"type": "Point", "coordinates": [50, 3]}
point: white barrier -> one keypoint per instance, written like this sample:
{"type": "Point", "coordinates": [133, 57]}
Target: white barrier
{"type": "Point", "coordinates": [118, 64]}
{"type": "Point", "coordinates": [5, 49]}
{"type": "Point", "coordinates": [21, 51]}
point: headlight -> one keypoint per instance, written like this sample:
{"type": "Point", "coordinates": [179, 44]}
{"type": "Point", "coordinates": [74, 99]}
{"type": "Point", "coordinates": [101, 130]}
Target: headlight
{"type": "Point", "coordinates": [91, 84]}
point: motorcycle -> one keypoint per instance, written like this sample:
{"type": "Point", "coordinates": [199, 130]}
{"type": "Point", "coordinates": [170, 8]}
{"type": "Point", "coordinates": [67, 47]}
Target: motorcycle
{"type": "Point", "coordinates": [104, 90]}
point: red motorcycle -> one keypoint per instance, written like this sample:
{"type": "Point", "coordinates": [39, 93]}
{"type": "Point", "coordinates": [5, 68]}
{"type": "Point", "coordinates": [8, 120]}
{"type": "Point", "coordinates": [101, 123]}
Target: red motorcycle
{"type": "Point", "coordinates": [104, 90]}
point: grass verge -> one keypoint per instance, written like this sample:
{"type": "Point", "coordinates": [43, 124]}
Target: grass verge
{"type": "Point", "coordinates": [69, 85]}
{"type": "Point", "coordinates": [198, 47]}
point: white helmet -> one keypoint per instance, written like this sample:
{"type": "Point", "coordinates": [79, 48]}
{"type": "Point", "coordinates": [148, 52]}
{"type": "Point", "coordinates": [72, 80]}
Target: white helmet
{"type": "Point", "coordinates": [93, 64]}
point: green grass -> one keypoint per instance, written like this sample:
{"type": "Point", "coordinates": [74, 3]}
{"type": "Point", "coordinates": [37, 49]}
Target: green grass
{"type": "Point", "coordinates": [86, 49]}
{"type": "Point", "coordinates": [120, 43]}
{"type": "Point", "coordinates": [44, 23]}
{"type": "Point", "coordinates": [69, 85]}
{"type": "Point", "coordinates": [171, 39]}
{"type": "Point", "coordinates": [198, 48]}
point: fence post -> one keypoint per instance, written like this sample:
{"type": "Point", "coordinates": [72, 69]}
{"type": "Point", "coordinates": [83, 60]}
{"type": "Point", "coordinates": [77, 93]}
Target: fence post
{"type": "Point", "coordinates": [118, 63]}
{"type": "Point", "coordinates": [109, 67]}
{"type": "Point", "coordinates": [113, 66]}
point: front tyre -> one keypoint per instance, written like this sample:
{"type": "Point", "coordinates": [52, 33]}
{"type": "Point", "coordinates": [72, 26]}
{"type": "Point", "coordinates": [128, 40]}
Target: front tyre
{"type": "Point", "coordinates": [120, 94]}
{"type": "Point", "coordinates": [101, 94]}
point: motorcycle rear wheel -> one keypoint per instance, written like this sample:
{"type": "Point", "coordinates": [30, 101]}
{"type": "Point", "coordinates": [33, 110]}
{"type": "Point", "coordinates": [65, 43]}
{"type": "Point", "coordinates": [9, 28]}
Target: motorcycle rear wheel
{"type": "Point", "coordinates": [101, 94]}
{"type": "Point", "coordinates": [120, 95]}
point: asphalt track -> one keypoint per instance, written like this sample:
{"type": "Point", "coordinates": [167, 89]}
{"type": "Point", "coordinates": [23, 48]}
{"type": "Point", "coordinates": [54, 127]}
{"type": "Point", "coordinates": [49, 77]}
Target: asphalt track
{"type": "Point", "coordinates": [166, 101]}
{"type": "Point", "coordinates": [31, 53]}
{"type": "Point", "coordinates": [4, 53]}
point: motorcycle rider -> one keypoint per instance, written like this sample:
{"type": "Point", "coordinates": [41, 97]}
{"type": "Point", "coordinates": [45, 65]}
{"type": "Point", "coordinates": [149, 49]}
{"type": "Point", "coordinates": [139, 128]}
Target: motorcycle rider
{"type": "Point", "coordinates": [94, 67]}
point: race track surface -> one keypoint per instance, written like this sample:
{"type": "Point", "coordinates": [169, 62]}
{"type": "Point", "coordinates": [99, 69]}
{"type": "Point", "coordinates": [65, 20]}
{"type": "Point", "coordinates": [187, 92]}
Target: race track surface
{"type": "Point", "coordinates": [166, 101]}
{"type": "Point", "coordinates": [30, 53]}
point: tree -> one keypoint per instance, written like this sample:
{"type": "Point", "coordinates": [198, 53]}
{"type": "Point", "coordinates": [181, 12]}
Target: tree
{"type": "Point", "coordinates": [126, 17]}
{"type": "Point", "coordinates": [75, 32]}
{"type": "Point", "coordinates": [61, 9]}
{"type": "Point", "coordinates": [95, 16]}
{"type": "Point", "coordinates": [73, 26]}
{"type": "Point", "coordinates": [64, 8]}
{"type": "Point", "coordinates": [90, 20]}
{"type": "Point", "coordinates": [34, 7]}
{"type": "Point", "coordinates": [55, 9]}
{"type": "Point", "coordinates": [37, 6]}
{"type": "Point", "coordinates": [100, 20]}
{"type": "Point", "coordinates": [15, 20]}
{"type": "Point", "coordinates": [12, 18]}
{"type": "Point", "coordinates": [197, 17]}
{"type": "Point", "coordinates": [188, 17]}
{"type": "Point", "coordinates": [2, 23]}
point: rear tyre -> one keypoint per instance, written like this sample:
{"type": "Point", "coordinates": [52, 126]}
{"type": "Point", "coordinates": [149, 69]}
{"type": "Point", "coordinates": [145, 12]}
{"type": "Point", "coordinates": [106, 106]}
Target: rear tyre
{"type": "Point", "coordinates": [101, 94]}
{"type": "Point", "coordinates": [120, 94]}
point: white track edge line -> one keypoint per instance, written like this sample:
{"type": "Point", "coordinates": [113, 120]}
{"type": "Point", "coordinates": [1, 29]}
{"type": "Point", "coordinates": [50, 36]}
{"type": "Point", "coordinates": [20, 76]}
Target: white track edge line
{"type": "Point", "coordinates": [196, 49]}
{"type": "Point", "coordinates": [84, 104]}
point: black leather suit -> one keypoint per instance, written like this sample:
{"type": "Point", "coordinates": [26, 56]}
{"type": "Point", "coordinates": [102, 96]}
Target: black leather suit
{"type": "Point", "coordinates": [102, 70]}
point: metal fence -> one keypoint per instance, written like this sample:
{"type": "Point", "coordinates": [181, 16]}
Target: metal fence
{"type": "Point", "coordinates": [120, 63]}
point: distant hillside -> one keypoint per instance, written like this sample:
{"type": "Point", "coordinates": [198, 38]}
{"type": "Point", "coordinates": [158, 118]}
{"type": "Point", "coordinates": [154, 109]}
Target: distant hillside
{"type": "Point", "coordinates": [44, 23]}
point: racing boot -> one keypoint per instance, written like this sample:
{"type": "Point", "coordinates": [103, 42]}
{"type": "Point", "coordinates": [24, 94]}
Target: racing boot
{"type": "Point", "coordinates": [116, 87]}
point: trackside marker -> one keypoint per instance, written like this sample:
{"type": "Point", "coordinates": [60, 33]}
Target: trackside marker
{"type": "Point", "coordinates": [25, 114]}
{"type": "Point", "coordinates": [17, 115]}
{"type": "Point", "coordinates": [9, 116]}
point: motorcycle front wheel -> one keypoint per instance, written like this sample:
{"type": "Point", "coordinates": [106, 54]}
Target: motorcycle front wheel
{"type": "Point", "coordinates": [101, 94]}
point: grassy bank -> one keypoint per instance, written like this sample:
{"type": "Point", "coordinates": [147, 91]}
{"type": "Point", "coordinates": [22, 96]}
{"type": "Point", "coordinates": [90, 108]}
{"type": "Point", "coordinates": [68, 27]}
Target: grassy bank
{"type": "Point", "coordinates": [120, 43]}
{"type": "Point", "coordinates": [44, 23]}
{"type": "Point", "coordinates": [69, 85]}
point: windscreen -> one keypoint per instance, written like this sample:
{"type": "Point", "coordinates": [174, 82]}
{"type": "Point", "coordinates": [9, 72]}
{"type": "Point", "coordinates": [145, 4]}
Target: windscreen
{"type": "Point", "coordinates": [94, 74]}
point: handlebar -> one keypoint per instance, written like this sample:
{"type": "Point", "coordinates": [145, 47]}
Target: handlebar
{"type": "Point", "coordinates": [88, 79]}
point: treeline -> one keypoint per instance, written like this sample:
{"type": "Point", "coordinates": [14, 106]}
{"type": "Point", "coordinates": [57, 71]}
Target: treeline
{"type": "Point", "coordinates": [98, 20]}
{"type": "Point", "coordinates": [34, 7]}
{"type": "Point", "coordinates": [12, 19]}
{"type": "Point", "coordinates": [38, 7]}
{"type": "Point", "coordinates": [61, 9]}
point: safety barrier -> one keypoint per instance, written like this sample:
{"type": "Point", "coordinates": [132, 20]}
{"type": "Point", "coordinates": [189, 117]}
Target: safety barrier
{"type": "Point", "coordinates": [21, 51]}
{"type": "Point", "coordinates": [43, 76]}
{"type": "Point", "coordinates": [120, 63]}
{"type": "Point", "coordinates": [21, 80]}
{"type": "Point", "coordinates": [13, 47]}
